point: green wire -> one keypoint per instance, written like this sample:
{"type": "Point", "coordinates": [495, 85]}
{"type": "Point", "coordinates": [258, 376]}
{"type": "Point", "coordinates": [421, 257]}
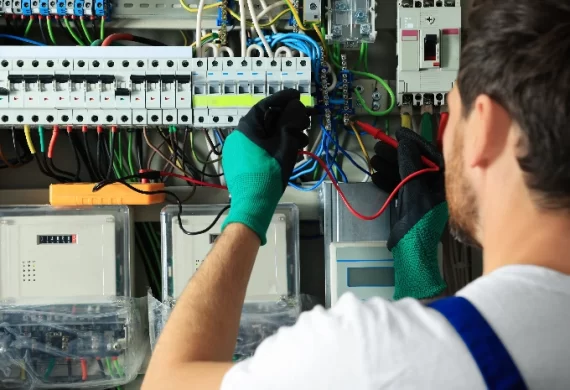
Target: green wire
{"type": "Point", "coordinates": [118, 368]}
{"type": "Point", "coordinates": [130, 153]}
{"type": "Point", "coordinates": [384, 85]}
{"type": "Point", "coordinates": [109, 367]}
{"type": "Point", "coordinates": [28, 27]}
{"type": "Point", "coordinates": [97, 42]}
{"type": "Point", "coordinates": [85, 31]}
{"type": "Point", "coordinates": [102, 29]}
{"type": "Point", "coordinates": [49, 369]}
{"type": "Point", "coordinates": [148, 230]}
{"type": "Point", "coordinates": [73, 34]}
{"type": "Point", "coordinates": [427, 127]}
{"type": "Point", "coordinates": [42, 143]}
{"type": "Point", "coordinates": [50, 31]}
{"type": "Point", "coordinates": [362, 54]}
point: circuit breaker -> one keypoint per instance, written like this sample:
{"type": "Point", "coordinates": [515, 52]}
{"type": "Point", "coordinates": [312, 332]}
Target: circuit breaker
{"type": "Point", "coordinates": [275, 273]}
{"type": "Point", "coordinates": [125, 86]}
{"type": "Point", "coordinates": [429, 46]}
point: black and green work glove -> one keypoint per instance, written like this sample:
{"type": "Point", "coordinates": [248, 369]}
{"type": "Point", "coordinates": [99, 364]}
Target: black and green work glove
{"type": "Point", "coordinates": [420, 213]}
{"type": "Point", "coordinates": [259, 156]}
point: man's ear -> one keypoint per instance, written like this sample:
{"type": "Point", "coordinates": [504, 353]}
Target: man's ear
{"type": "Point", "coordinates": [488, 128]}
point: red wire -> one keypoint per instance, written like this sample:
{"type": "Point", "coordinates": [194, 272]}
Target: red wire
{"type": "Point", "coordinates": [386, 204]}
{"type": "Point", "coordinates": [443, 118]}
{"type": "Point", "coordinates": [380, 135]}
{"type": "Point", "coordinates": [117, 37]}
{"type": "Point", "coordinates": [54, 135]}
{"type": "Point", "coordinates": [193, 181]}
{"type": "Point", "coordinates": [83, 369]}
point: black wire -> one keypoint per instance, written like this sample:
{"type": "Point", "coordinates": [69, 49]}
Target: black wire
{"type": "Point", "coordinates": [54, 171]}
{"type": "Point", "coordinates": [122, 180]}
{"type": "Point", "coordinates": [138, 147]}
{"type": "Point", "coordinates": [101, 367]}
{"type": "Point", "coordinates": [69, 371]}
{"type": "Point", "coordinates": [111, 156]}
{"type": "Point", "coordinates": [84, 155]}
{"type": "Point", "coordinates": [68, 35]}
{"type": "Point", "coordinates": [203, 171]}
{"type": "Point", "coordinates": [147, 41]}
{"type": "Point", "coordinates": [99, 156]}
{"type": "Point", "coordinates": [16, 148]}
{"type": "Point", "coordinates": [94, 29]}
{"type": "Point", "coordinates": [96, 172]}
{"type": "Point", "coordinates": [42, 30]}
{"type": "Point", "coordinates": [207, 134]}
{"type": "Point", "coordinates": [76, 154]}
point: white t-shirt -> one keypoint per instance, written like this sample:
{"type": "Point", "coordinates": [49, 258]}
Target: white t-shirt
{"type": "Point", "coordinates": [403, 345]}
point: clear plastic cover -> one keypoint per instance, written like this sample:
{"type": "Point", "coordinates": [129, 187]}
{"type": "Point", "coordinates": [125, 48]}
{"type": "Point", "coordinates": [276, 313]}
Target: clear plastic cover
{"type": "Point", "coordinates": [275, 276]}
{"type": "Point", "coordinates": [47, 253]}
{"type": "Point", "coordinates": [351, 22]}
{"type": "Point", "coordinates": [258, 321]}
{"type": "Point", "coordinates": [67, 345]}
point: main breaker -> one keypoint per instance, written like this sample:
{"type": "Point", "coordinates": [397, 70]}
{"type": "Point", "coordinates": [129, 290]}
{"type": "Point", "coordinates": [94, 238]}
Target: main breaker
{"type": "Point", "coordinates": [429, 45]}
{"type": "Point", "coordinates": [67, 319]}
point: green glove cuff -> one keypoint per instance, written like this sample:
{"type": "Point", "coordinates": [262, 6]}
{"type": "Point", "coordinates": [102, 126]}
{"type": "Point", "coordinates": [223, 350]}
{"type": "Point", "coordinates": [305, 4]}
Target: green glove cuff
{"type": "Point", "coordinates": [254, 181]}
{"type": "Point", "coordinates": [415, 257]}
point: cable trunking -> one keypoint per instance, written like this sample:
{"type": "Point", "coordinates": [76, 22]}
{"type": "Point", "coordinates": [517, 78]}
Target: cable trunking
{"type": "Point", "coordinates": [135, 86]}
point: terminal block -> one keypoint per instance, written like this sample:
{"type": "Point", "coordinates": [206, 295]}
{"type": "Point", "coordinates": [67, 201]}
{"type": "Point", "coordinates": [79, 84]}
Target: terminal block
{"type": "Point", "coordinates": [127, 86]}
{"type": "Point", "coordinates": [429, 45]}
{"type": "Point", "coordinates": [351, 22]}
{"type": "Point", "coordinates": [70, 8]}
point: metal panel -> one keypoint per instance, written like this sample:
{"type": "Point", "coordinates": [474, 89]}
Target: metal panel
{"type": "Point", "coordinates": [341, 226]}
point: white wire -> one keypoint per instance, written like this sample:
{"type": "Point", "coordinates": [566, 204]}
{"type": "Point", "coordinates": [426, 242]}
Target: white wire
{"type": "Point", "coordinates": [270, 8]}
{"type": "Point", "coordinates": [334, 78]}
{"type": "Point", "coordinates": [226, 49]}
{"type": "Point", "coordinates": [243, 27]}
{"type": "Point", "coordinates": [253, 47]}
{"type": "Point", "coordinates": [264, 6]}
{"type": "Point", "coordinates": [284, 49]}
{"type": "Point", "coordinates": [214, 48]}
{"type": "Point", "coordinates": [258, 28]}
{"type": "Point", "coordinates": [199, 28]}
{"type": "Point", "coordinates": [366, 177]}
{"type": "Point", "coordinates": [313, 148]}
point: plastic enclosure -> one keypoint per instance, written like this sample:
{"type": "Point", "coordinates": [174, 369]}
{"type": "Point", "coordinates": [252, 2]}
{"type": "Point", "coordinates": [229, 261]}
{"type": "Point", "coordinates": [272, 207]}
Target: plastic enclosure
{"type": "Point", "coordinates": [275, 275]}
{"type": "Point", "coordinates": [272, 298]}
{"type": "Point", "coordinates": [47, 253]}
{"type": "Point", "coordinates": [71, 346]}
{"type": "Point", "coordinates": [67, 319]}
{"type": "Point", "coordinates": [429, 46]}
{"type": "Point", "coordinates": [351, 22]}
{"type": "Point", "coordinates": [81, 194]}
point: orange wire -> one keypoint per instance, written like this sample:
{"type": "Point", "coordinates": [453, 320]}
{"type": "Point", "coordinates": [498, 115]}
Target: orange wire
{"type": "Point", "coordinates": [83, 369]}
{"type": "Point", "coordinates": [193, 181]}
{"type": "Point", "coordinates": [5, 160]}
{"type": "Point", "coordinates": [386, 204]}
{"type": "Point", "coordinates": [52, 141]}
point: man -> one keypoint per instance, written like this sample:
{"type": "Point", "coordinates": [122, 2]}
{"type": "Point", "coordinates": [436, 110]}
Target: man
{"type": "Point", "coordinates": [507, 150]}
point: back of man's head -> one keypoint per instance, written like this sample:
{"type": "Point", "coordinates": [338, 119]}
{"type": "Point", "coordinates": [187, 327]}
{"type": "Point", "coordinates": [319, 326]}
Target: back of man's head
{"type": "Point", "coordinates": [518, 54]}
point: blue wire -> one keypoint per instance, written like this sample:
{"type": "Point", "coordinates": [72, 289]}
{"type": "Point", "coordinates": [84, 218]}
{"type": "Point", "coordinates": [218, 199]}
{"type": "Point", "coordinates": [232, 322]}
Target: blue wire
{"type": "Point", "coordinates": [218, 137]}
{"type": "Point", "coordinates": [346, 154]}
{"type": "Point", "coordinates": [22, 39]}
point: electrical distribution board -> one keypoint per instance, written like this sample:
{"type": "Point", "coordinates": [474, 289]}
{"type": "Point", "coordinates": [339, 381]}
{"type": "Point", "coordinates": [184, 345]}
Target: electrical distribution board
{"type": "Point", "coordinates": [275, 273]}
{"type": "Point", "coordinates": [125, 86]}
{"type": "Point", "coordinates": [429, 46]}
{"type": "Point", "coordinates": [351, 22]}
{"type": "Point", "coordinates": [65, 303]}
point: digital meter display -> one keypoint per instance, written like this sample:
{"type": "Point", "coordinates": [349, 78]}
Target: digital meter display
{"type": "Point", "coordinates": [370, 277]}
{"type": "Point", "coordinates": [57, 239]}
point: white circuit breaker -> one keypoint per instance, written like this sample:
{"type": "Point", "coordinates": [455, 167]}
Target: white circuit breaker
{"type": "Point", "coordinates": [429, 46]}
{"type": "Point", "coordinates": [134, 86]}
{"type": "Point", "coordinates": [275, 273]}
{"type": "Point", "coordinates": [51, 254]}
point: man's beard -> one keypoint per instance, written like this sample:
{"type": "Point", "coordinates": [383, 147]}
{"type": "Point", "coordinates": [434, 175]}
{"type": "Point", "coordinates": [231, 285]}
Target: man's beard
{"type": "Point", "coordinates": [461, 199]}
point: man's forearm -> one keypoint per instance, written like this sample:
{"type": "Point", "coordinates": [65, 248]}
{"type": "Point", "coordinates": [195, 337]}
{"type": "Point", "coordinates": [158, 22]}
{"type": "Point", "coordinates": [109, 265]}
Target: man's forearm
{"type": "Point", "coordinates": [204, 324]}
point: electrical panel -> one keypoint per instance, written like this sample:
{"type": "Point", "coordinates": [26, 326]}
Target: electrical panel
{"type": "Point", "coordinates": [125, 86]}
{"type": "Point", "coordinates": [60, 8]}
{"type": "Point", "coordinates": [275, 272]}
{"type": "Point", "coordinates": [65, 303]}
{"type": "Point", "coordinates": [351, 22]}
{"type": "Point", "coordinates": [429, 46]}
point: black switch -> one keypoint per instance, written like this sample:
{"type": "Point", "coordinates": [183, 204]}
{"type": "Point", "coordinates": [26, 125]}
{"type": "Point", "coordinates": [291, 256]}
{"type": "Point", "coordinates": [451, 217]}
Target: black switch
{"type": "Point", "coordinates": [430, 47]}
{"type": "Point", "coordinates": [4, 92]}
{"type": "Point", "coordinates": [122, 92]}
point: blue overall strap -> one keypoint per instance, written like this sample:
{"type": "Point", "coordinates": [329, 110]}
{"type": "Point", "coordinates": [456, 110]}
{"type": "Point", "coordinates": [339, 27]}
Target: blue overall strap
{"type": "Point", "coordinates": [496, 365]}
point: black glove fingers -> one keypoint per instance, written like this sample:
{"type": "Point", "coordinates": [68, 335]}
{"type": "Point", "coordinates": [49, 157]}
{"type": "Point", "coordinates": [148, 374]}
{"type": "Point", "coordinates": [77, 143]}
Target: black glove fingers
{"type": "Point", "coordinates": [386, 180]}
{"type": "Point", "coordinates": [409, 157]}
{"type": "Point", "coordinates": [294, 117]}
{"type": "Point", "coordinates": [279, 99]}
{"type": "Point", "coordinates": [387, 153]}
{"type": "Point", "coordinates": [428, 150]}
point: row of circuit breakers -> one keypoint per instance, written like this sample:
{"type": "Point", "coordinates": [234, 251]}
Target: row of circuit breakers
{"type": "Point", "coordinates": [123, 86]}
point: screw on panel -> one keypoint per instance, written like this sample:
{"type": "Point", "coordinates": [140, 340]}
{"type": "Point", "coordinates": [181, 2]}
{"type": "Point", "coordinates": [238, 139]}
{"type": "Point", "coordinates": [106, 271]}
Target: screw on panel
{"type": "Point", "coordinates": [365, 29]}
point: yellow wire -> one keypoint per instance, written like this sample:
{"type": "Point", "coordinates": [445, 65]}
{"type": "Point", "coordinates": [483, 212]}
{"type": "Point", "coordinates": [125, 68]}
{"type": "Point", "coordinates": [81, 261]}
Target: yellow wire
{"type": "Point", "coordinates": [209, 6]}
{"type": "Point", "coordinates": [204, 37]}
{"type": "Point", "coordinates": [28, 134]}
{"type": "Point", "coordinates": [406, 121]}
{"type": "Point", "coordinates": [297, 18]}
{"type": "Point", "coordinates": [184, 37]}
{"type": "Point", "coordinates": [359, 138]}
{"type": "Point", "coordinates": [270, 23]}
{"type": "Point", "coordinates": [318, 31]}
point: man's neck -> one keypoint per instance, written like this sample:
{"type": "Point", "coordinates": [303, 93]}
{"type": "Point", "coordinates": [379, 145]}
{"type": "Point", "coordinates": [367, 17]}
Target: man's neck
{"type": "Point", "coordinates": [516, 232]}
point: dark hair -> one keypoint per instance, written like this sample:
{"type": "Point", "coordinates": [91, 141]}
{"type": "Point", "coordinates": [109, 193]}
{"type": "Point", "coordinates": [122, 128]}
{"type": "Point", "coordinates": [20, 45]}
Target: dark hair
{"type": "Point", "coordinates": [518, 53]}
